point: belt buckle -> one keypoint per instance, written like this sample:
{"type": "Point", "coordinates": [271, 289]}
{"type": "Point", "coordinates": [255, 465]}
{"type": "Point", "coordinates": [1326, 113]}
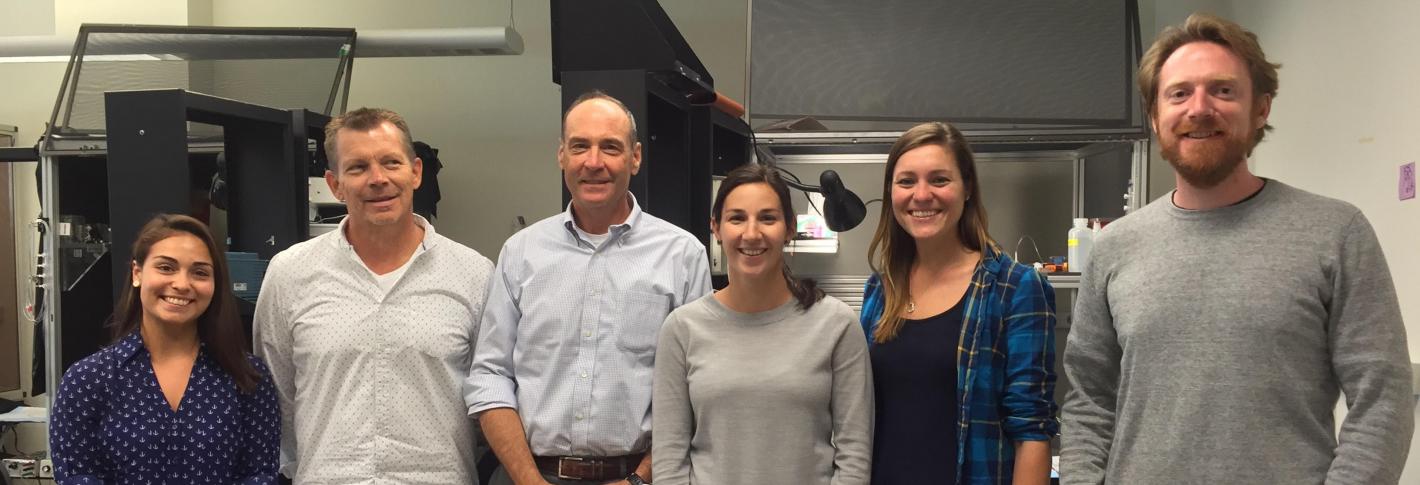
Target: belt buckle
{"type": "Point", "coordinates": [566, 459]}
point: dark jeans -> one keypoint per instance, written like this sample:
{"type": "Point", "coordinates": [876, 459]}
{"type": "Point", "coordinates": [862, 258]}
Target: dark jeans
{"type": "Point", "coordinates": [500, 477]}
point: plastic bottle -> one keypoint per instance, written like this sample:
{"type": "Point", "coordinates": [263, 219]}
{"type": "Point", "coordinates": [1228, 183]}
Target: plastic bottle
{"type": "Point", "coordinates": [1079, 241]}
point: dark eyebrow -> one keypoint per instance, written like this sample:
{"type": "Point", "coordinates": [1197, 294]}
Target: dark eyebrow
{"type": "Point", "coordinates": [167, 259]}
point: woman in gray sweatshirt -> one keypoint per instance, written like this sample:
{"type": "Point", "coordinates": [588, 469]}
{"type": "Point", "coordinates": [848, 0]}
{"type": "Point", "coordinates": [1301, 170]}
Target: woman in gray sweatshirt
{"type": "Point", "coordinates": [767, 380]}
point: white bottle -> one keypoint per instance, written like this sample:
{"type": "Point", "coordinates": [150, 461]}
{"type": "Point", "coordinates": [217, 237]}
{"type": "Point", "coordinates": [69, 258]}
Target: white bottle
{"type": "Point", "coordinates": [1079, 241]}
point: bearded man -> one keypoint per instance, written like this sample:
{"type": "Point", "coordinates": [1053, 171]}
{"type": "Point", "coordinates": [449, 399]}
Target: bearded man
{"type": "Point", "coordinates": [1216, 327]}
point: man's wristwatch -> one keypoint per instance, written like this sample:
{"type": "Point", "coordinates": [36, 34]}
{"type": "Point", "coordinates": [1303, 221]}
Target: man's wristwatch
{"type": "Point", "coordinates": [635, 479]}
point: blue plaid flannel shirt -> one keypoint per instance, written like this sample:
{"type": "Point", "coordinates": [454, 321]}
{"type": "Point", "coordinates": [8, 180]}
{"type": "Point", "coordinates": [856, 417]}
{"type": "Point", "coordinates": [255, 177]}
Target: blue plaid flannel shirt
{"type": "Point", "coordinates": [1005, 365]}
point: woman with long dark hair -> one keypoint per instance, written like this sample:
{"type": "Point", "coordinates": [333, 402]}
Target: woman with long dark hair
{"type": "Point", "coordinates": [175, 399]}
{"type": "Point", "coordinates": [767, 380]}
{"type": "Point", "coordinates": [962, 337]}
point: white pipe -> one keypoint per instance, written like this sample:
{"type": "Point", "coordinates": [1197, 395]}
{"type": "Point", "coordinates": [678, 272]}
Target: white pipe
{"type": "Point", "coordinates": [462, 41]}
{"type": "Point", "coordinates": [46, 46]}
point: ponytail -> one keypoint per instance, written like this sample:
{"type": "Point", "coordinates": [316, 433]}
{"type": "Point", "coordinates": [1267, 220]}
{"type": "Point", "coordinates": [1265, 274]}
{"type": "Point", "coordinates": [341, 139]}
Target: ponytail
{"type": "Point", "coordinates": [805, 290]}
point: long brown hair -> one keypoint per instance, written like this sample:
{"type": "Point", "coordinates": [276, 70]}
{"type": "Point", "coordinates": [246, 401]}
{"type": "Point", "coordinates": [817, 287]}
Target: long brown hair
{"type": "Point", "coordinates": [219, 327]}
{"type": "Point", "coordinates": [805, 290]}
{"type": "Point", "coordinates": [893, 250]}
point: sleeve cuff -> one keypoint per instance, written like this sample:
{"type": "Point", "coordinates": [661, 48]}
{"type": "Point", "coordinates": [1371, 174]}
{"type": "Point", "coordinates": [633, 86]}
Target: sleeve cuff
{"type": "Point", "coordinates": [1018, 429]}
{"type": "Point", "coordinates": [484, 392]}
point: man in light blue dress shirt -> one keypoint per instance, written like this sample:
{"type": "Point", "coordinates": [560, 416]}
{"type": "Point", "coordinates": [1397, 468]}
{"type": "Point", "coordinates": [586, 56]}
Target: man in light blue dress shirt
{"type": "Point", "coordinates": [562, 375]}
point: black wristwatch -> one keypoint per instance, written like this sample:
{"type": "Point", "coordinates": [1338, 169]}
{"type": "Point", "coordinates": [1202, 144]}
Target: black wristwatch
{"type": "Point", "coordinates": [635, 479]}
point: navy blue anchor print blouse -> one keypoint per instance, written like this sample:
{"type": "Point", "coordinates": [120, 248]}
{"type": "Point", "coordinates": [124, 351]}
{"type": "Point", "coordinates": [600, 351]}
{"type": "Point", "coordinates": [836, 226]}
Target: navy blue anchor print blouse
{"type": "Point", "coordinates": [111, 424]}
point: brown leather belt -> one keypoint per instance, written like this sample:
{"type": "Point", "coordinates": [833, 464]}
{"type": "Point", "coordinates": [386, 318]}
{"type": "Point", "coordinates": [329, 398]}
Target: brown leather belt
{"type": "Point", "coordinates": [589, 467]}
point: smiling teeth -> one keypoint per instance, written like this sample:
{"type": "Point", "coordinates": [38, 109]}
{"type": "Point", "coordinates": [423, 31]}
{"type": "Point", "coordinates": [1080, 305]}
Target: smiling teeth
{"type": "Point", "coordinates": [176, 301]}
{"type": "Point", "coordinates": [753, 252]}
{"type": "Point", "coordinates": [923, 213]}
{"type": "Point", "coordinates": [1200, 134]}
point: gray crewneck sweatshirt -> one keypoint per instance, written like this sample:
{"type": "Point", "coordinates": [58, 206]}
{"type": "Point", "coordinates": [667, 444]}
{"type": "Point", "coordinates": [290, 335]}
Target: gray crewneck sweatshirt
{"type": "Point", "coordinates": [1211, 346]}
{"type": "Point", "coordinates": [782, 396]}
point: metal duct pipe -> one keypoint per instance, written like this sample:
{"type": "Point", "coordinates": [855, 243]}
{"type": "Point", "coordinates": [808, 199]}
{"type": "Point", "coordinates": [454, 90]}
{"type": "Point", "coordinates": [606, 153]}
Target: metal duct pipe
{"type": "Point", "coordinates": [461, 41]}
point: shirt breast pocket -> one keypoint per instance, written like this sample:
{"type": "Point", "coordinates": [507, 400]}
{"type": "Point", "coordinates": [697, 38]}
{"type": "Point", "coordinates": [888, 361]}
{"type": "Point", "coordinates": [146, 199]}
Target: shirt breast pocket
{"type": "Point", "coordinates": [641, 315]}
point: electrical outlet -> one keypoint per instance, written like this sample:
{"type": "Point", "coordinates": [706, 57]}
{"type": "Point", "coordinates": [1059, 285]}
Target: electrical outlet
{"type": "Point", "coordinates": [20, 468]}
{"type": "Point", "coordinates": [46, 468]}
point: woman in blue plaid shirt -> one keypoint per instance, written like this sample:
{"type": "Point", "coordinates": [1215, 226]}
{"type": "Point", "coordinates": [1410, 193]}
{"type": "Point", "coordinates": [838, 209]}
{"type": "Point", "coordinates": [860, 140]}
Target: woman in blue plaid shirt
{"type": "Point", "coordinates": [962, 338]}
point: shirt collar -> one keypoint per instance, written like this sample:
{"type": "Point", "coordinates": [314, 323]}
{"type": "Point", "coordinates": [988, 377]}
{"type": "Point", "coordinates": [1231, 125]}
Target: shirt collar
{"type": "Point", "coordinates": [131, 346]}
{"type": "Point", "coordinates": [992, 259]}
{"type": "Point", "coordinates": [617, 231]}
{"type": "Point", "coordinates": [428, 242]}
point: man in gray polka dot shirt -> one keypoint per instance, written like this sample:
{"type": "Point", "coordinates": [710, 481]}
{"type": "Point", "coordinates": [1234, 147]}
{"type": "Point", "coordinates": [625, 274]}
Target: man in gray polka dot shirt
{"type": "Point", "coordinates": [369, 330]}
{"type": "Point", "coordinates": [562, 378]}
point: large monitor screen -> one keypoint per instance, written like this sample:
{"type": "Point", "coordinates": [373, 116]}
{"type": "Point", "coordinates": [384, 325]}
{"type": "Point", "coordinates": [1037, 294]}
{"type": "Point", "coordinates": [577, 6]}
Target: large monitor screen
{"type": "Point", "coordinates": [1059, 62]}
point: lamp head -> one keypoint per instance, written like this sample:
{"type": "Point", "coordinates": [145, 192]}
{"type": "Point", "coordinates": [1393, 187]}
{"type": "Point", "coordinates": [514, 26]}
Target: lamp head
{"type": "Point", "coordinates": [842, 209]}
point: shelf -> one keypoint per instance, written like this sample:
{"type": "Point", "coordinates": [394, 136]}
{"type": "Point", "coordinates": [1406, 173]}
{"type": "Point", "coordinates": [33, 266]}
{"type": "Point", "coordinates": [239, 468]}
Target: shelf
{"type": "Point", "coordinates": [825, 246]}
{"type": "Point", "coordinates": [1064, 280]}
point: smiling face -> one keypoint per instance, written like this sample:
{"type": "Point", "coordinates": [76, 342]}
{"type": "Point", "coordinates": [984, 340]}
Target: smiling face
{"type": "Point", "coordinates": [928, 193]}
{"type": "Point", "coordinates": [753, 230]}
{"type": "Point", "coordinates": [176, 281]}
{"type": "Point", "coordinates": [1207, 115]}
{"type": "Point", "coordinates": [597, 155]}
{"type": "Point", "coordinates": [375, 176]}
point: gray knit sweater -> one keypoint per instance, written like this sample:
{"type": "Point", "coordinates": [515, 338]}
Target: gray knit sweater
{"type": "Point", "coordinates": [777, 397]}
{"type": "Point", "coordinates": [1211, 346]}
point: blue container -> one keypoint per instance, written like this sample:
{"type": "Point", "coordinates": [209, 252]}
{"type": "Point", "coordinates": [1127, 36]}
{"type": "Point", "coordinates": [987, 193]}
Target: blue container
{"type": "Point", "coordinates": [247, 272]}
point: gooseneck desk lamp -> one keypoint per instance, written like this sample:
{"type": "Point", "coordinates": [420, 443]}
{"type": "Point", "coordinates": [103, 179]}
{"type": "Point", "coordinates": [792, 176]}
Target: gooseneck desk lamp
{"type": "Point", "coordinates": [842, 209]}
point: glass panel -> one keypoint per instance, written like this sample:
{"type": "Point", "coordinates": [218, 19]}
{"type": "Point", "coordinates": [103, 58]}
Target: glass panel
{"type": "Point", "coordinates": [279, 68]}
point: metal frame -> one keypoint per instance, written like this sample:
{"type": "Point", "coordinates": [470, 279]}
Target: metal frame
{"type": "Point", "coordinates": [68, 87]}
{"type": "Point", "coordinates": [48, 279]}
{"type": "Point", "coordinates": [1099, 138]}
{"type": "Point", "coordinates": [1034, 135]}
{"type": "Point", "coordinates": [1139, 195]}
{"type": "Point", "coordinates": [1075, 157]}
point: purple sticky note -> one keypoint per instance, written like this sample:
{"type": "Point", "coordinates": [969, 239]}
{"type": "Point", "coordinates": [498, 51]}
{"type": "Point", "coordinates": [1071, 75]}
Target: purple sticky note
{"type": "Point", "coordinates": [1407, 181]}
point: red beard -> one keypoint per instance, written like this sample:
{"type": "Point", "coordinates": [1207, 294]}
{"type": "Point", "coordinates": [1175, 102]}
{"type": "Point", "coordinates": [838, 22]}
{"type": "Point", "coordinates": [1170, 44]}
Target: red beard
{"type": "Point", "coordinates": [1207, 162]}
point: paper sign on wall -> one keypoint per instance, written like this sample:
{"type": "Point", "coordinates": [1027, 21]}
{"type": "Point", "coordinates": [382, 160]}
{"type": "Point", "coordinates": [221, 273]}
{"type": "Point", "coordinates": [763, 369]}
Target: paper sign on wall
{"type": "Point", "coordinates": [1407, 181]}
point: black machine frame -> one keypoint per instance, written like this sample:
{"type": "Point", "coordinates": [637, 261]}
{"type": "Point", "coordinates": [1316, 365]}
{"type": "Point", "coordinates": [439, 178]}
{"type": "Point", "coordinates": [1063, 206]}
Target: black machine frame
{"type": "Point", "coordinates": [647, 65]}
{"type": "Point", "coordinates": [266, 150]}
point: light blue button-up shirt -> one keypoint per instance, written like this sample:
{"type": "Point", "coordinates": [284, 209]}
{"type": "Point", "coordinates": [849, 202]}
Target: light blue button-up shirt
{"type": "Point", "coordinates": [568, 336]}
